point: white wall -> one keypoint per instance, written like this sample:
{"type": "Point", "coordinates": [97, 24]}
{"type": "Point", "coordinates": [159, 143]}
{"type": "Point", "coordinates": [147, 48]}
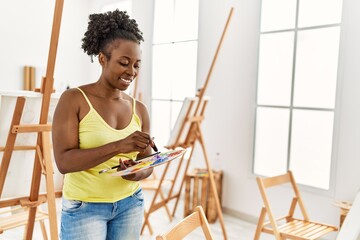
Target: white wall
{"type": "Point", "coordinates": [73, 66]}
{"type": "Point", "coordinates": [229, 124]}
{"type": "Point", "coordinates": [25, 40]}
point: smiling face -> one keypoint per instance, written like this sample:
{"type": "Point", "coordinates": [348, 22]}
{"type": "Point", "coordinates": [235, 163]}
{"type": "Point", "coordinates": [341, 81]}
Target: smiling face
{"type": "Point", "coordinates": [121, 64]}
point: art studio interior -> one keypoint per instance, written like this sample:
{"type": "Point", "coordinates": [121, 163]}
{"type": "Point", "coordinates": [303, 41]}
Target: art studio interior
{"type": "Point", "coordinates": [258, 93]}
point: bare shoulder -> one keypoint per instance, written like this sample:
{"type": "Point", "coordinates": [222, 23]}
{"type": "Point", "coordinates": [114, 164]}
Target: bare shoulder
{"type": "Point", "coordinates": [70, 94]}
{"type": "Point", "coordinates": [71, 99]}
{"type": "Point", "coordinates": [141, 108]}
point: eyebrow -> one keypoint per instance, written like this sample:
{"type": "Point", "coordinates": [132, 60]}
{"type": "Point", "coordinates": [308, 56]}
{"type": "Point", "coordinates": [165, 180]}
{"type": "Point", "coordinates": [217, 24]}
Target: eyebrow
{"type": "Point", "coordinates": [128, 58]}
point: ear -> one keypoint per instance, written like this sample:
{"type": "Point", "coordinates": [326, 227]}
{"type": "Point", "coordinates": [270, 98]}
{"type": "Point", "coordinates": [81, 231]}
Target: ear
{"type": "Point", "coordinates": [102, 58]}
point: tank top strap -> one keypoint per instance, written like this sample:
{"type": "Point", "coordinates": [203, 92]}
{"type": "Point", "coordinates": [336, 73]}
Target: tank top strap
{"type": "Point", "coordinates": [134, 106]}
{"type": "Point", "coordinates": [86, 98]}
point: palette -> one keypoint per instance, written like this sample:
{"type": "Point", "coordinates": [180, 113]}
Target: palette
{"type": "Point", "coordinates": [151, 161]}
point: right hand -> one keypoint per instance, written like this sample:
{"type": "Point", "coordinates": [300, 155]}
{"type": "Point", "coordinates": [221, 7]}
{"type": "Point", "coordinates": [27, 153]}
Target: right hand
{"type": "Point", "coordinates": [136, 142]}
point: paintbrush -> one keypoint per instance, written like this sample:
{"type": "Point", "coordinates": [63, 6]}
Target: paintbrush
{"type": "Point", "coordinates": [155, 148]}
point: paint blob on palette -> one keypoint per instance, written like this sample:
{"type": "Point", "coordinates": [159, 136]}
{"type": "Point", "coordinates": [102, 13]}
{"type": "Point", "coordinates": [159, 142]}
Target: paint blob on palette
{"type": "Point", "coordinates": [151, 161]}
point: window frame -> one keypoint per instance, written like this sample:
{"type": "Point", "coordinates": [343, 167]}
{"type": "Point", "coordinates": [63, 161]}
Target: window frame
{"type": "Point", "coordinates": [171, 101]}
{"type": "Point", "coordinates": [335, 133]}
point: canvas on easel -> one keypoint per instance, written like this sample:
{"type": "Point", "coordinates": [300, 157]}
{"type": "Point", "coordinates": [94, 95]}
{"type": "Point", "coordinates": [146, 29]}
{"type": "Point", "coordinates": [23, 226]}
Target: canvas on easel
{"type": "Point", "coordinates": [20, 164]}
{"type": "Point", "coordinates": [181, 126]}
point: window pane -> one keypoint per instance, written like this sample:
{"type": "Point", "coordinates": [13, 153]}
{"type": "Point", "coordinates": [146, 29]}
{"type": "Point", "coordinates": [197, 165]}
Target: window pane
{"type": "Point", "coordinates": [163, 21]}
{"type": "Point", "coordinates": [184, 64]}
{"type": "Point", "coordinates": [174, 70]}
{"type": "Point", "coordinates": [316, 67]}
{"type": "Point", "coordinates": [186, 20]}
{"type": "Point", "coordinates": [271, 141]}
{"type": "Point", "coordinates": [319, 12]}
{"type": "Point", "coordinates": [311, 145]}
{"type": "Point", "coordinates": [162, 70]}
{"type": "Point", "coordinates": [275, 68]}
{"type": "Point", "coordinates": [277, 14]}
{"type": "Point", "coordinates": [160, 122]}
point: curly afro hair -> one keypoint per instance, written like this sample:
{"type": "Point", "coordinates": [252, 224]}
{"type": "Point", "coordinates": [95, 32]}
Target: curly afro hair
{"type": "Point", "coordinates": [104, 28]}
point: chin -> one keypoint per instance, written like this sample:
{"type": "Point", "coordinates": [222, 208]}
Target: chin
{"type": "Point", "coordinates": [123, 88]}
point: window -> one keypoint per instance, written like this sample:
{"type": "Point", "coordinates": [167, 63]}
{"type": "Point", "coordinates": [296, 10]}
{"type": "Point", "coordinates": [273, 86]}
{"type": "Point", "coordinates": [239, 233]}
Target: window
{"type": "Point", "coordinates": [297, 77]}
{"type": "Point", "coordinates": [174, 62]}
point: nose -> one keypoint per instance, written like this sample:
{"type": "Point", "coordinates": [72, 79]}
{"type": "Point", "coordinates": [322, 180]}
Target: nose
{"type": "Point", "coordinates": [131, 71]}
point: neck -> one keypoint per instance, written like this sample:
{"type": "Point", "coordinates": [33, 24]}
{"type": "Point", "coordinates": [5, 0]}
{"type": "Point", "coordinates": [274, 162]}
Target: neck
{"type": "Point", "coordinates": [105, 91]}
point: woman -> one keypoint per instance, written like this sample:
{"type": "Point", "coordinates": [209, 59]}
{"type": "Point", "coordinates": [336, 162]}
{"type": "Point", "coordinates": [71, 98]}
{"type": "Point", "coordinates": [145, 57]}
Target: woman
{"type": "Point", "coordinates": [96, 125]}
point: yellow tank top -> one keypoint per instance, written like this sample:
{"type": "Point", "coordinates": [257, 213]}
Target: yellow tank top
{"type": "Point", "coordinates": [89, 185]}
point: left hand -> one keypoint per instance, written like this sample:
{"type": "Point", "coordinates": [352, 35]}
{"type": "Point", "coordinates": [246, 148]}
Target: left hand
{"type": "Point", "coordinates": [124, 164]}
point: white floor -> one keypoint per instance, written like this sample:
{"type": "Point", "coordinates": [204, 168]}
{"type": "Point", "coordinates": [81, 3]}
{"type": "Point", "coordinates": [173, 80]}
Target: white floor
{"type": "Point", "coordinates": [236, 229]}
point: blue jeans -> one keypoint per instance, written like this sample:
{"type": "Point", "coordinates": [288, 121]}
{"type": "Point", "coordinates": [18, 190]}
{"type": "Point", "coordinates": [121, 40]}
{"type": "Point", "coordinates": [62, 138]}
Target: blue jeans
{"type": "Point", "coordinates": [100, 221]}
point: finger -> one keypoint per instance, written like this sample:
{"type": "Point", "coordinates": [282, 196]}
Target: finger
{"type": "Point", "coordinates": [122, 165]}
{"type": "Point", "coordinates": [142, 135]}
{"type": "Point", "coordinates": [127, 163]}
{"type": "Point", "coordinates": [132, 162]}
{"type": "Point", "coordinates": [143, 145]}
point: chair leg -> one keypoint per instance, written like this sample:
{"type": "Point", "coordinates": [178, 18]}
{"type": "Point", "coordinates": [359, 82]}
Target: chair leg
{"type": "Point", "coordinates": [260, 224]}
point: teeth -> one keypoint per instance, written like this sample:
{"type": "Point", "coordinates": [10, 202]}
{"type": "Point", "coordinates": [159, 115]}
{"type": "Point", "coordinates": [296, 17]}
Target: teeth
{"type": "Point", "coordinates": [126, 80]}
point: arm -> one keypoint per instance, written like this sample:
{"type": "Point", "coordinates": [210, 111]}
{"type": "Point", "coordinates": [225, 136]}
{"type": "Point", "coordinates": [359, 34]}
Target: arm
{"type": "Point", "coordinates": [65, 136]}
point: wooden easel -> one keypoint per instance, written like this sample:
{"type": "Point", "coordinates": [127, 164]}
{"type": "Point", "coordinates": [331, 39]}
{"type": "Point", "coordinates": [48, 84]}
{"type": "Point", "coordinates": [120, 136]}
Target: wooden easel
{"type": "Point", "coordinates": [42, 162]}
{"type": "Point", "coordinates": [194, 134]}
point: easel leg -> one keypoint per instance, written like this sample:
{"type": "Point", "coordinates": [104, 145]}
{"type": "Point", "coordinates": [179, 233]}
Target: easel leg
{"type": "Point", "coordinates": [44, 139]}
{"type": "Point", "coordinates": [10, 142]}
{"type": "Point", "coordinates": [183, 180]}
{"type": "Point", "coordinates": [213, 184]}
{"type": "Point", "coordinates": [170, 196]}
{"type": "Point", "coordinates": [152, 205]}
{"type": "Point", "coordinates": [43, 229]}
{"type": "Point", "coordinates": [165, 201]}
{"type": "Point", "coordinates": [50, 191]}
{"type": "Point", "coordinates": [34, 193]}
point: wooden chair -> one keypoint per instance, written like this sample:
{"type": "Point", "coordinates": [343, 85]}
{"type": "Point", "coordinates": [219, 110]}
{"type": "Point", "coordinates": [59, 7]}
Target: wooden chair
{"type": "Point", "coordinates": [187, 225]}
{"type": "Point", "coordinates": [287, 227]}
{"type": "Point", "coordinates": [350, 229]}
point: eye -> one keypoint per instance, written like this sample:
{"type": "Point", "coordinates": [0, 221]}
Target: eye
{"type": "Point", "coordinates": [137, 64]}
{"type": "Point", "coordinates": [125, 64]}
